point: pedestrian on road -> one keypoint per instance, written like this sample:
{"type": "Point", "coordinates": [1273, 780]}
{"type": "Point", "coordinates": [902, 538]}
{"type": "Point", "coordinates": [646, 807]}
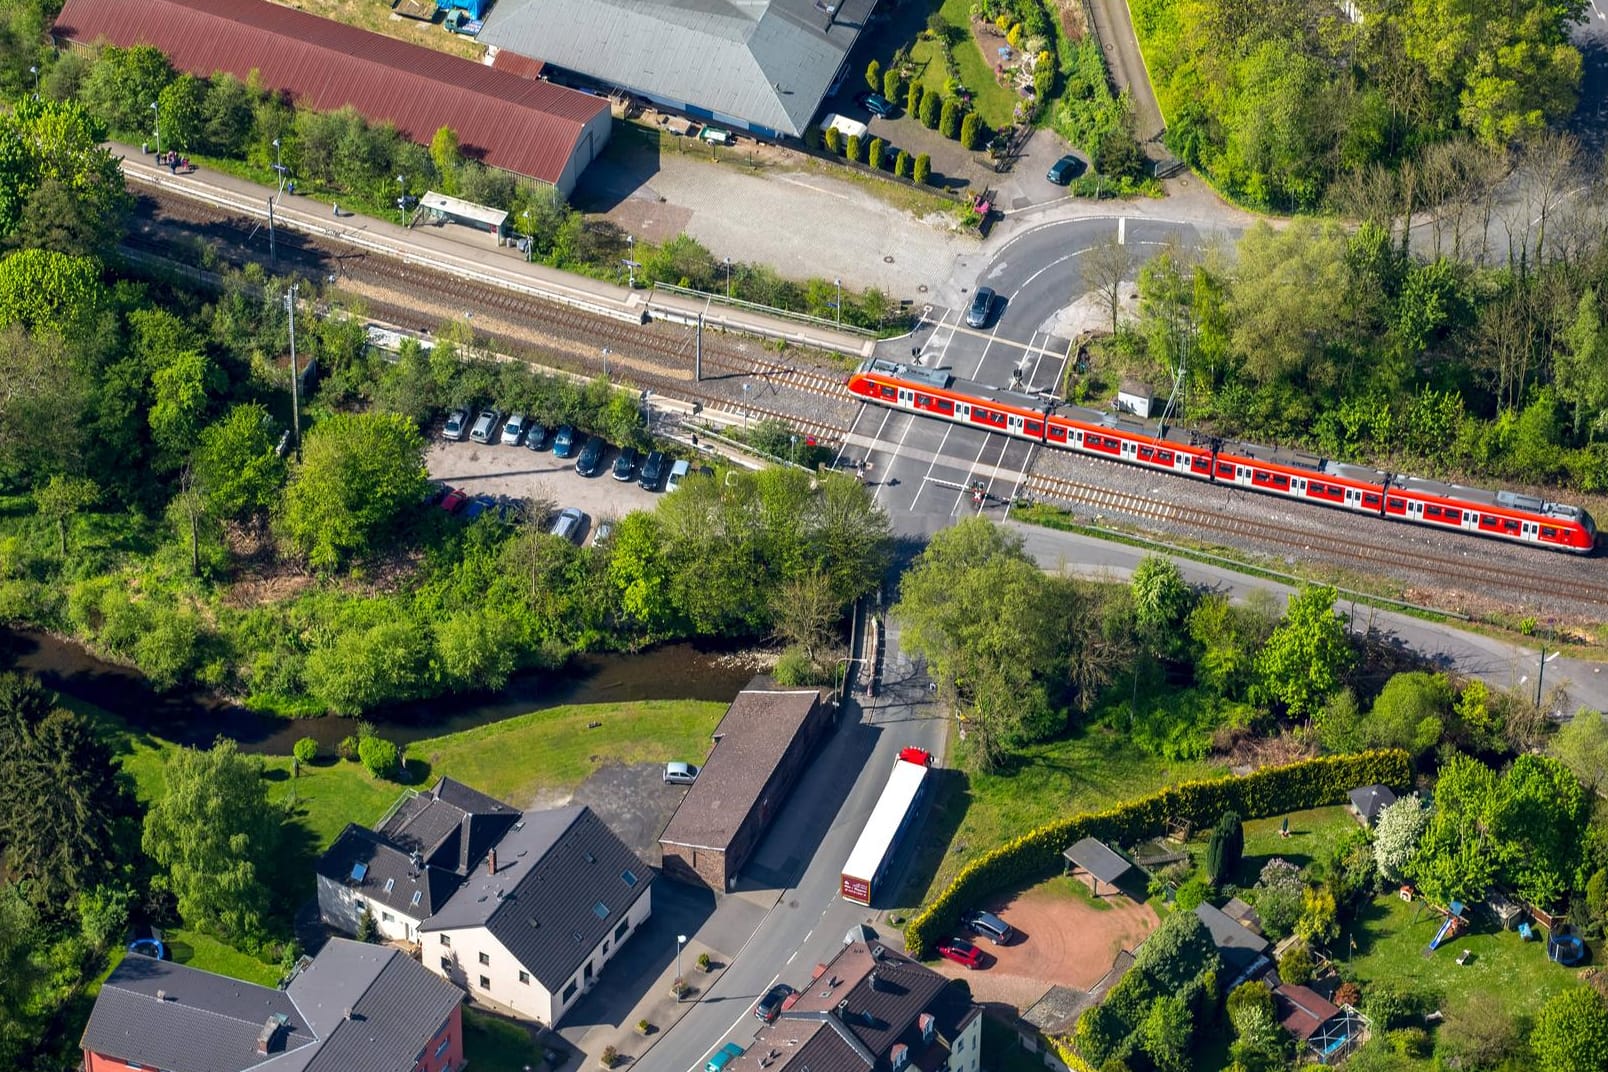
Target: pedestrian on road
{"type": "Point", "coordinates": [337, 209]}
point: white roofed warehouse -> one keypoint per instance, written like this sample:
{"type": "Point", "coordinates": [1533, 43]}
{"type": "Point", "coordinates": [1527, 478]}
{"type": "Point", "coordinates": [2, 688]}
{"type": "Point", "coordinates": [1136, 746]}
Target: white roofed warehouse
{"type": "Point", "coordinates": [763, 66]}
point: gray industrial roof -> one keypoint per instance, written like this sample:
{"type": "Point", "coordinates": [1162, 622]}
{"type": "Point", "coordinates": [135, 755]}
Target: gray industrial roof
{"type": "Point", "coordinates": [563, 881]}
{"type": "Point", "coordinates": [766, 62]}
{"type": "Point", "coordinates": [165, 1015]}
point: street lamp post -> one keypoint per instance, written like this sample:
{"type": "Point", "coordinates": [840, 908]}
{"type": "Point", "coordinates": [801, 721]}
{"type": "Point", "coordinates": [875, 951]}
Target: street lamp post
{"type": "Point", "coordinates": [1541, 670]}
{"type": "Point", "coordinates": [745, 408]}
{"type": "Point", "coordinates": [605, 362]}
{"type": "Point", "coordinates": [728, 278]}
{"type": "Point", "coordinates": [279, 166]}
{"type": "Point", "coordinates": [681, 940]}
{"type": "Point", "coordinates": [630, 261]}
{"type": "Point", "coordinates": [402, 197]}
{"type": "Point", "coordinates": [839, 283]}
{"type": "Point", "coordinates": [530, 237]}
{"type": "Point", "coordinates": [156, 112]}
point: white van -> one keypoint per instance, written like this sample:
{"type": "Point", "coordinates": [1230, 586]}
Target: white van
{"type": "Point", "coordinates": [849, 128]}
{"type": "Point", "coordinates": [678, 473]}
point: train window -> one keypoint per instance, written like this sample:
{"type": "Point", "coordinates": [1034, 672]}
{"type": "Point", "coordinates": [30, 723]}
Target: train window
{"type": "Point", "coordinates": [1487, 521]}
{"type": "Point", "coordinates": [1432, 510]}
{"type": "Point", "coordinates": [1510, 525]}
{"type": "Point", "coordinates": [1165, 457]}
{"type": "Point", "coordinates": [1225, 469]}
{"type": "Point", "coordinates": [1147, 454]}
{"type": "Point", "coordinates": [1454, 517]}
{"type": "Point", "coordinates": [1200, 465]}
{"type": "Point", "coordinates": [1396, 504]}
{"type": "Point", "coordinates": [888, 392]}
{"type": "Point", "coordinates": [1370, 500]}
{"type": "Point", "coordinates": [945, 406]}
{"type": "Point", "coordinates": [1058, 433]}
{"type": "Point", "coordinates": [922, 401]}
{"type": "Point", "coordinates": [1318, 489]}
{"type": "Point", "coordinates": [1034, 428]}
{"type": "Point", "coordinates": [1280, 480]}
{"type": "Point", "coordinates": [1258, 477]}
{"type": "Point", "coordinates": [1548, 533]}
{"type": "Point", "coordinates": [981, 414]}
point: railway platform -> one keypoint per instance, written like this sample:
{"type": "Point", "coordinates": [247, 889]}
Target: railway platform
{"type": "Point", "coordinates": [468, 254]}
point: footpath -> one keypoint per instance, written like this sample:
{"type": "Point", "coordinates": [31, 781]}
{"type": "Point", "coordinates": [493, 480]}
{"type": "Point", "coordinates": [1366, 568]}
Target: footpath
{"type": "Point", "coordinates": [468, 253]}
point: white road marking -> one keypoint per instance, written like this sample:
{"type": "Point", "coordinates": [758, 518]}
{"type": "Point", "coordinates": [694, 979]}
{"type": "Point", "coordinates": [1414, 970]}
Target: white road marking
{"type": "Point", "coordinates": [883, 484]}
{"type": "Point", "coordinates": [936, 457]}
{"type": "Point", "coordinates": [1122, 230]}
{"type": "Point", "coordinates": [953, 510]}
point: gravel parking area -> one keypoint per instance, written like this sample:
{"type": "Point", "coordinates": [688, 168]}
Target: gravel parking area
{"type": "Point", "coordinates": [522, 473]}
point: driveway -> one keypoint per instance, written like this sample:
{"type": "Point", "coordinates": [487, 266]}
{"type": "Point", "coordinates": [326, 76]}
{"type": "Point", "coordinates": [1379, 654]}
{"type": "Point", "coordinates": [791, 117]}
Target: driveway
{"type": "Point", "coordinates": [634, 800]}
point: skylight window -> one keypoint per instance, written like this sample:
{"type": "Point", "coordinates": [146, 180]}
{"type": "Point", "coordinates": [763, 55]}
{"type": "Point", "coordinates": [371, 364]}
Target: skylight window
{"type": "Point", "coordinates": [359, 871]}
{"type": "Point", "coordinates": [629, 876]}
{"type": "Point", "coordinates": [390, 884]}
{"type": "Point", "coordinates": [600, 910]}
{"type": "Point", "coordinates": [417, 894]}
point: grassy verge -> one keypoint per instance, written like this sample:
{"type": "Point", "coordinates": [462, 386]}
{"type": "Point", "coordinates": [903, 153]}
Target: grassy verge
{"type": "Point", "coordinates": [1087, 771]}
{"type": "Point", "coordinates": [1313, 835]}
{"type": "Point", "coordinates": [208, 954]}
{"type": "Point", "coordinates": [492, 1044]}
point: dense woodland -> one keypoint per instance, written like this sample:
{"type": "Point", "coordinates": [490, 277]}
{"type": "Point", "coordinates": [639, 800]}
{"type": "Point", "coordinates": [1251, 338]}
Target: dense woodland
{"type": "Point", "coordinates": [1274, 99]}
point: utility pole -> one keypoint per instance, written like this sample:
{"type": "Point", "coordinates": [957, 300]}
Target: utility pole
{"type": "Point", "coordinates": [839, 283]}
{"type": "Point", "coordinates": [295, 388]}
{"type": "Point", "coordinates": [155, 111]}
{"type": "Point", "coordinates": [273, 254]}
{"type": "Point", "coordinates": [697, 352]}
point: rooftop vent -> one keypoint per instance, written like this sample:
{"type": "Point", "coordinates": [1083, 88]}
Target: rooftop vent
{"type": "Point", "coordinates": [876, 983]}
{"type": "Point", "coordinates": [878, 952]}
{"type": "Point", "coordinates": [843, 1008]}
{"type": "Point", "coordinates": [347, 1013]}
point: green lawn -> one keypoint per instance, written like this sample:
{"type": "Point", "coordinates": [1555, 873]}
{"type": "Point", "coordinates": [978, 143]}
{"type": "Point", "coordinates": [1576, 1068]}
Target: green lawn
{"type": "Point", "coordinates": [1392, 936]}
{"type": "Point", "coordinates": [1312, 834]}
{"type": "Point", "coordinates": [993, 102]}
{"type": "Point", "coordinates": [971, 814]}
{"type": "Point", "coordinates": [208, 954]}
{"type": "Point", "coordinates": [492, 1044]}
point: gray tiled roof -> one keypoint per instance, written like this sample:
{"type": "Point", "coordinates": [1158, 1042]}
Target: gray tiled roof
{"type": "Point", "coordinates": [766, 62]}
{"type": "Point", "coordinates": [384, 864]}
{"type": "Point", "coordinates": [1370, 800]}
{"type": "Point", "coordinates": [553, 867]}
{"type": "Point", "coordinates": [208, 1023]}
{"type": "Point", "coordinates": [1098, 859]}
{"type": "Point", "coordinates": [432, 824]}
{"type": "Point", "coordinates": [1241, 947]}
{"type": "Point", "coordinates": [753, 738]}
{"type": "Point", "coordinates": [200, 1022]}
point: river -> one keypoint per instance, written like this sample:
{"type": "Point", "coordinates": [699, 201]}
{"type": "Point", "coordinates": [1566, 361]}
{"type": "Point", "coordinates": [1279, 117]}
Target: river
{"type": "Point", "coordinates": [670, 672]}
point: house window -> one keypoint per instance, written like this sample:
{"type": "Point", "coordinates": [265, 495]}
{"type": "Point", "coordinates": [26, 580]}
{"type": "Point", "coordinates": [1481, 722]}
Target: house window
{"type": "Point", "coordinates": [446, 939]}
{"type": "Point", "coordinates": [524, 977]}
{"type": "Point", "coordinates": [619, 932]}
{"type": "Point", "coordinates": [600, 910]}
{"type": "Point", "coordinates": [485, 958]}
{"type": "Point", "coordinates": [441, 1049]}
{"type": "Point", "coordinates": [387, 917]}
{"type": "Point", "coordinates": [569, 991]}
{"type": "Point", "coordinates": [446, 964]}
{"type": "Point", "coordinates": [485, 984]}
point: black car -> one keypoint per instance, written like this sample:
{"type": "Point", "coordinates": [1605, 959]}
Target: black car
{"type": "Point", "coordinates": [590, 463]}
{"type": "Point", "coordinates": [539, 437]}
{"type": "Point", "coordinates": [875, 103]}
{"type": "Point", "coordinates": [982, 305]}
{"type": "Point", "coordinates": [770, 1006]}
{"type": "Point", "coordinates": [625, 465]}
{"type": "Point", "coordinates": [565, 440]}
{"type": "Point", "coordinates": [652, 471]}
{"type": "Point", "coordinates": [1065, 170]}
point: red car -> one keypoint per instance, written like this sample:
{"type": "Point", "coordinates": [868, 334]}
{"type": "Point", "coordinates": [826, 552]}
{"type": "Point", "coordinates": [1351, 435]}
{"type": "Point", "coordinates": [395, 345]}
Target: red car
{"type": "Point", "coordinates": [454, 498]}
{"type": "Point", "coordinates": [961, 952]}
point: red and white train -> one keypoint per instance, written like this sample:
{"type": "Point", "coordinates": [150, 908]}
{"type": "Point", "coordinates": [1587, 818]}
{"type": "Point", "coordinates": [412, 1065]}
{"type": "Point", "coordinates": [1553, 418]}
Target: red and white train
{"type": "Point", "coordinates": [1503, 515]}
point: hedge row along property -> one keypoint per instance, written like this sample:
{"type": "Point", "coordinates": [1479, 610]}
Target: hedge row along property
{"type": "Point", "coordinates": [1310, 783]}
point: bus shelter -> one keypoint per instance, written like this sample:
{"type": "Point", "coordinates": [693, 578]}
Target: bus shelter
{"type": "Point", "coordinates": [438, 208]}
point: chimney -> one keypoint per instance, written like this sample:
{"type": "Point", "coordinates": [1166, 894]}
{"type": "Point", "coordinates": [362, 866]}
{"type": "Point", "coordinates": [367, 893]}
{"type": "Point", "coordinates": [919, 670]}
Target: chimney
{"type": "Point", "coordinates": [491, 861]}
{"type": "Point", "coordinates": [876, 984]}
{"type": "Point", "coordinates": [161, 995]}
{"type": "Point", "coordinates": [347, 1014]}
{"type": "Point", "coordinates": [265, 1037]}
{"type": "Point", "coordinates": [900, 1056]}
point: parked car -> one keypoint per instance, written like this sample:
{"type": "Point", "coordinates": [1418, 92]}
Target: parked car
{"type": "Point", "coordinates": [590, 463]}
{"type": "Point", "coordinates": [510, 511]}
{"type": "Point", "coordinates": [454, 498]}
{"type": "Point", "coordinates": [678, 473]}
{"type": "Point", "coordinates": [652, 471]}
{"type": "Point", "coordinates": [1064, 170]}
{"type": "Point", "coordinates": [982, 305]}
{"type": "Point", "coordinates": [989, 926]}
{"type": "Point", "coordinates": [479, 505]}
{"type": "Point", "coordinates": [539, 437]}
{"type": "Point", "coordinates": [625, 466]}
{"type": "Point", "coordinates": [566, 441]}
{"type": "Point", "coordinates": [514, 431]}
{"type": "Point", "coordinates": [961, 952]}
{"type": "Point", "coordinates": [678, 773]}
{"type": "Point", "coordinates": [769, 1007]}
{"type": "Point", "coordinates": [723, 1057]}
{"type": "Point", "coordinates": [485, 426]}
{"type": "Point", "coordinates": [457, 426]}
{"type": "Point", "coordinates": [875, 103]}
{"type": "Point", "coordinates": [603, 534]}
{"type": "Point", "coordinates": [569, 524]}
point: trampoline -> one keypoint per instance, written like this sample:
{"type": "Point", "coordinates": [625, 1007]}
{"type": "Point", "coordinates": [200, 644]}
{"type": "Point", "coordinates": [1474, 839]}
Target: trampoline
{"type": "Point", "coordinates": [1566, 949]}
{"type": "Point", "coordinates": [148, 947]}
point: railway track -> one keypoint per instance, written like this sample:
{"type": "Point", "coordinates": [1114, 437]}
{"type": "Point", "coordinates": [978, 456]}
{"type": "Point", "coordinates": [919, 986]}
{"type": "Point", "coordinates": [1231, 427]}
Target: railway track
{"type": "Point", "coordinates": [1482, 576]}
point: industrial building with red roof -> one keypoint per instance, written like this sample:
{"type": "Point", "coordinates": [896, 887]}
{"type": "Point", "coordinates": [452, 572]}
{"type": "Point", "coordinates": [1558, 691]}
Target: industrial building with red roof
{"type": "Point", "coordinates": [530, 128]}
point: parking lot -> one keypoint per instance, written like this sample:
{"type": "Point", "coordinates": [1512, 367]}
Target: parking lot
{"type": "Point", "coordinates": [522, 473]}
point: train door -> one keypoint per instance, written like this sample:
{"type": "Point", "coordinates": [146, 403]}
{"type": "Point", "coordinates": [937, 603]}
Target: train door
{"type": "Point", "coordinates": [1298, 485]}
{"type": "Point", "coordinates": [1013, 424]}
{"type": "Point", "coordinates": [1130, 450]}
{"type": "Point", "coordinates": [1415, 510]}
{"type": "Point", "coordinates": [1353, 499]}
{"type": "Point", "coordinates": [1531, 531]}
{"type": "Point", "coordinates": [907, 398]}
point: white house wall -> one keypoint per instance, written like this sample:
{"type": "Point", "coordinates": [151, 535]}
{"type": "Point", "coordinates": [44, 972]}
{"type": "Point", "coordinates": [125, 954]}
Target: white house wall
{"type": "Point", "coordinates": [966, 1052]}
{"type": "Point", "coordinates": [341, 906]}
{"type": "Point", "coordinates": [458, 961]}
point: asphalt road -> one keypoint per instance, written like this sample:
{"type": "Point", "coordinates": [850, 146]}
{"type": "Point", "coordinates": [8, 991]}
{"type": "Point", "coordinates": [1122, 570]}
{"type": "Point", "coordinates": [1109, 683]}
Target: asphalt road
{"type": "Point", "coordinates": [809, 845]}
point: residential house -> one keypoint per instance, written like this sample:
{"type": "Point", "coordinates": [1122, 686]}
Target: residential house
{"type": "Point", "coordinates": [871, 1009]}
{"type": "Point", "coordinates": [531, 930]}
{"type": "Point", "coordinates": [407, 868]}
{"type": "Point", "coordinates": [1326, 1031]}
{"type": "Point", "coordinates": [1244, 951]}
{"type": "Point", "coordinates": [353, 1008]}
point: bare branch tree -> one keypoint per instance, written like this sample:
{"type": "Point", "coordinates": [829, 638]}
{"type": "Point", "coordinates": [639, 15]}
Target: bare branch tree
{"type": "Point", "coordinates": [1105, 266]}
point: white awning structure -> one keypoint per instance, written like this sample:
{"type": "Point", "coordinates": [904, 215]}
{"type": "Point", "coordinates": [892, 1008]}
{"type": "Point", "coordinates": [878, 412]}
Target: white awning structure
{"type": "Point", "coordinates": [457, 208]}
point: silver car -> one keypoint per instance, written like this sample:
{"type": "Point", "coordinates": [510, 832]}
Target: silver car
{"type": "Point", "coordinates": [677, 773]}
{"type": "Point", "coordinates": [514, 431]}
{"type": "Point", "coordinates": [570, 524]}
{"type": "Point", "coordinates": [485, 426]}
{"type": "Point", "coordinates": [457, 425]}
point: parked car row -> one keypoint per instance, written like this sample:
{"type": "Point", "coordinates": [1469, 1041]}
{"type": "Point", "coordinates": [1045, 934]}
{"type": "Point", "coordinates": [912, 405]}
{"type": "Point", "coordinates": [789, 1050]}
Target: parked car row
{"type": "Point", "coordinates": [652, 471]}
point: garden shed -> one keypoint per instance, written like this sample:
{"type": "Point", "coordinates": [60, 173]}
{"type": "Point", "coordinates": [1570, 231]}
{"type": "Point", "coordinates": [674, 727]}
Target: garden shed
{"type": "Point", "coordinates": [1092, 861]}
{"type": "Point", "coordinates": [1368, 801]}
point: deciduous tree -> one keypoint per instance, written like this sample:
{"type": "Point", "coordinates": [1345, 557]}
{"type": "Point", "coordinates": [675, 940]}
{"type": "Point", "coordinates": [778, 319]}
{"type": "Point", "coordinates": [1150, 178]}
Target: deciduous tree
{"type": "Point", "coordinates": [62, 499]}
{"type": "Point", "coordinates": [1397, 831]}
{"type": "Point", "coordinates": [1302, 661]}
{"type": "Point", "coordinates": [236, 466]}
{"type": "Point", "coordinates": [1571, 1032]}
{"type": "Point", "coordinates": [1106, 266]}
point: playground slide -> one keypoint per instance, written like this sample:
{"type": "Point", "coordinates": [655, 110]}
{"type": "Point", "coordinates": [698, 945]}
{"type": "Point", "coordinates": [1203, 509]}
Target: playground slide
{"type": "Point", "coordinates": [1440, 935]}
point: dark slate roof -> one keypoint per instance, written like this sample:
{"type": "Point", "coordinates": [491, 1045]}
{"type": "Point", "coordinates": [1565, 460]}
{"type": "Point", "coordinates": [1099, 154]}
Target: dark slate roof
{"type": "Point", "coordinates": [209, 1023]}
{"type": "Point", "coordinates": [397, 1007]}
{"type": "Point", "coordinates": [1370, 800]}
{"type": "Point", "coordinates": [385, 864]}
{"type": "Point", "coordinates": [1242, 913]}
{"type": "Point", "coordinates": [553, 868]}
{"type": "Point", "coordinates": [1241, 948]}
{"type": "Point", "coordinates": [200, 1022]}
{"type": "Point", "coordinates": [433, 825]}
{"type": "Point", "coordinates": [752, 739]}
{"type": "Point", "coordinates": [886, 994]}
{"type": "Point", "coordinates": [529, 127]}
{"type": "Point", "coordinates": [1098, 859]}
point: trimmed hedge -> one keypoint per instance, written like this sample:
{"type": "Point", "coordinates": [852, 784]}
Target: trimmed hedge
{"type": "Point", "coordinates": [1310, 783]}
